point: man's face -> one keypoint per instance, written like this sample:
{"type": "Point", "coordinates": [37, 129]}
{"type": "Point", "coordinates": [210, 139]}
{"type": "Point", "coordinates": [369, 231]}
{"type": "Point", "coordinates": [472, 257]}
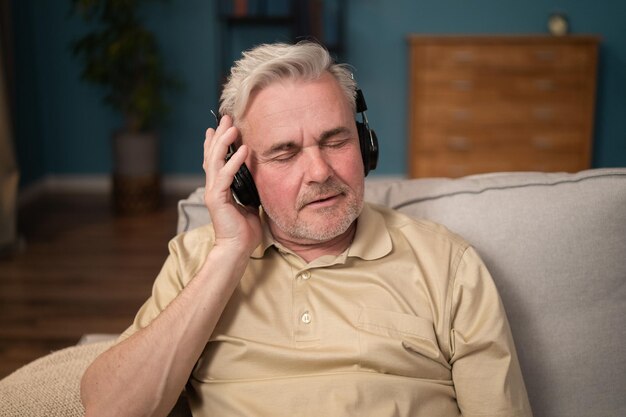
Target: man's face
{"type": "Point", "coordinates": [305, 158]}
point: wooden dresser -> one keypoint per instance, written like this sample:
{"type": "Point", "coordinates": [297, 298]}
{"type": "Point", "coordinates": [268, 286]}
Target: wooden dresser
{"type": "Point", "coordinates": [500, 103]}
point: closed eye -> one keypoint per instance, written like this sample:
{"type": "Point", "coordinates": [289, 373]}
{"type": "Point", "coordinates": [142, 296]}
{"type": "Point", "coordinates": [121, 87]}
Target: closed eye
{"type": "Point", "coordinates": [284, 157]}
{"type": "Point", "coordinates": [335, 138]}
{"type": "Point", "coordinates": [335, 143]}
{"type": "Point", "coordinates": [281, 152]}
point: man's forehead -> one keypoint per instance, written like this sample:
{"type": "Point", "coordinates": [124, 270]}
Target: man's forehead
{"type": "Point", "coordinates": [304, 92]}
{"type": "Point", "coordinates": [294, 109]}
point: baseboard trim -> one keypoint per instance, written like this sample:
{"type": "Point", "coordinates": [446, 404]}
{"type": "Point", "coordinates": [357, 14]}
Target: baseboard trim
{"type": "Point", "coordinates": [99, 184]}
{"type": "Point", "coordinates": [182, 184]}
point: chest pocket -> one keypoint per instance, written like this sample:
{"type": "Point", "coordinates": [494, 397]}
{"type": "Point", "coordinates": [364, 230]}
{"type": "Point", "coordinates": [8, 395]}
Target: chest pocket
{"type": "Point", "coordinates": [400, 344]}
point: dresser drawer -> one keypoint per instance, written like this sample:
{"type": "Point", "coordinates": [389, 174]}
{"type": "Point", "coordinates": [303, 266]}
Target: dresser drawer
{"type": "Point", "coordinates": [510, 113]}
{"type": "Point", "coordinates": [461, 86]}
{"type": "Point", "coordinates": [444, 164]}
{"type": "Point", "coordinates": [448, 139]}
{"type": "Point", "coordinates": [497, 56]}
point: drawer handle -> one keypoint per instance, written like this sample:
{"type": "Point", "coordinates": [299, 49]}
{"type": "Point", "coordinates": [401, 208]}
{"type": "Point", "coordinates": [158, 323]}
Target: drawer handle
{"type": "Point", "coordinates": [542, 143]}
{"type": "Point", "coordinates": [463, 56]}
{"type": "Point", "coordinates": [462, 85]}
{"type": "Point", "coordinates": [544, 84]}
{"type": "Point", "coordinates": [543, 113]}
{"type": "Point", "coordinates": [545, 55]}
{"type": "Point", "coordinates": [461, 114]}
{"type": "Point", "coordinates": [459, 143]}
{"type": "Point", "coordinates": [457, 170]}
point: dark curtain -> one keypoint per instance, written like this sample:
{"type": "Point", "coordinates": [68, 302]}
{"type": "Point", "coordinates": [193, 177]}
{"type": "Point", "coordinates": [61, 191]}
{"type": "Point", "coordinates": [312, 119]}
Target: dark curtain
{"type": "Point", "coordinates": [9, 174]}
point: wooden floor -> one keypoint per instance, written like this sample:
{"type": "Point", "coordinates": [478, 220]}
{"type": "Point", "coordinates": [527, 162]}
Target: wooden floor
{"type": "Point", "coordinates": [80, 270]}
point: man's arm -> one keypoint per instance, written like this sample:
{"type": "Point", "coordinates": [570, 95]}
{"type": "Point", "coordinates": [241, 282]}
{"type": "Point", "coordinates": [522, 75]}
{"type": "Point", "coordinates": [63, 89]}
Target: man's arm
{"type": "Point", "coordinates": [145, 374]}
{"type": "Point", "coordinates": [485, 369]}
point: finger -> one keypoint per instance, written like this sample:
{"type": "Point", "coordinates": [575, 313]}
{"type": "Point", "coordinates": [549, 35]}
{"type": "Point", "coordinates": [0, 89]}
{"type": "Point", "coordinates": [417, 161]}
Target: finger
{"type": "Point", "coordinates": [208, 137]}
{"type": "Point", "coordinates": [214, 136]}
{"type": "Point", "coordinates": [223, 125]}
{"type": "Point", "coordinates": [236, 160]}
{"type": "Point", "coordinates": [225, 122]}
{"type": "Point", "coordinates": [220, 145]}
{"type": "Point", "coordinates": [230, 168]}
{"type": "Point", "coordinates": [219, 180]}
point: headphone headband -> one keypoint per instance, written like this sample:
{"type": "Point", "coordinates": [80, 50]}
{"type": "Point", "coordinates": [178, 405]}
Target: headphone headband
{"type": "Point", "coordinates": [361, 105]}
{"type": "Point", "coordinates": [367, 137]}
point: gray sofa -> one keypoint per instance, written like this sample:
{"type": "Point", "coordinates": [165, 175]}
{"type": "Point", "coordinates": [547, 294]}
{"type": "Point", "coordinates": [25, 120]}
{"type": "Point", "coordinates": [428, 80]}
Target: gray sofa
{"type": "Point", "coordinates": [556, 247]}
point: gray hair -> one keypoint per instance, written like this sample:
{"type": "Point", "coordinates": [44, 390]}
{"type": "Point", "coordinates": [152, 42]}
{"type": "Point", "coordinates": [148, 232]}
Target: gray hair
{"type": "Point", "coordinates": [268, 63]}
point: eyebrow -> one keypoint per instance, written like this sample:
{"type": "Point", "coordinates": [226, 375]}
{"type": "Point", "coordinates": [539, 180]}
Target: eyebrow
{"type": "Point", "coordinates": [333, 132]}
{"type": "Point", "coordinates": [290, 144]}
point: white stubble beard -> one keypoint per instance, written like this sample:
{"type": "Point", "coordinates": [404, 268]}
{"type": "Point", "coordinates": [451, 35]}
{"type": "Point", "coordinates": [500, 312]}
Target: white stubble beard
{"type": "Point", "coordinates": [305, 231]}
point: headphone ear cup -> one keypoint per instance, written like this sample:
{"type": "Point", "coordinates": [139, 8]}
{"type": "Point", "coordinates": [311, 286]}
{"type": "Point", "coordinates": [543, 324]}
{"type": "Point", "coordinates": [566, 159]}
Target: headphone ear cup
{"type": "Point", "coordinates": [244, 189]}
{"type": "Point", "coordinates": [368, 142]}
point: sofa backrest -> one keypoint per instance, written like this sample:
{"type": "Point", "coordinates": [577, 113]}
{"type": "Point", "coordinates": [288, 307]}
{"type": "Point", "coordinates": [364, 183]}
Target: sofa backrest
{"type": "Point", "coordinates": [555, 244]}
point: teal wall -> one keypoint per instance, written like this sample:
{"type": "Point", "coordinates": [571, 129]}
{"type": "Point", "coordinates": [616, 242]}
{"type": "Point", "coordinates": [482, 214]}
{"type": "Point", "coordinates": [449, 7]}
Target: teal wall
{"type": "Point", "coordinates": [63, 128]}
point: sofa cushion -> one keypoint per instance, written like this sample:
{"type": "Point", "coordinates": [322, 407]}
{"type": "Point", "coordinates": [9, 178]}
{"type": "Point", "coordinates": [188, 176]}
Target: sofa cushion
{"type": "Point", "coordinates": [555, 245]}
{"type": "Point", "coordinates": [49, 386]}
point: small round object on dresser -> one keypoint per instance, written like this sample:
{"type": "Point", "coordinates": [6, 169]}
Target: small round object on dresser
{"type": "Point", "coordinates": [558, 24]}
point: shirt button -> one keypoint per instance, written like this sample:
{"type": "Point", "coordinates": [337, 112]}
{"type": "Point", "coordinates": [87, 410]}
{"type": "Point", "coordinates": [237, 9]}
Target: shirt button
{"type": "Point", "coordinates": [306, 317]}
{"type": "Point", "coordinates": [305, 275]}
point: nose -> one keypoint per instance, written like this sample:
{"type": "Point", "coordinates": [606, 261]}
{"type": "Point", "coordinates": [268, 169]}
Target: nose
{"type": "Point", "coordinates": [318, 168]}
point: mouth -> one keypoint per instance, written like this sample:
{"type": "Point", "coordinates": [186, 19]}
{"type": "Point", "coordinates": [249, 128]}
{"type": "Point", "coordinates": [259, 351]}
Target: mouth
{"type": "Point", "coordinates": [323, 201]}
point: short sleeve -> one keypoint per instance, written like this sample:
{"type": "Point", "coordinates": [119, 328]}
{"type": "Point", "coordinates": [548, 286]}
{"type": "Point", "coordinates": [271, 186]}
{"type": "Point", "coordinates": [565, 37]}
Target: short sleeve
{"type": "Point", "coordinates": [186, 254]}
{"type": "Point", "coordinates": [485, 368]}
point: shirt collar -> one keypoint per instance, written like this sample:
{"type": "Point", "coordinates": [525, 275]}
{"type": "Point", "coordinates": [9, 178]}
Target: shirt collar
{"type": "Point", "coordinates": [371, 240]}
{"type": "Point", "coordinates": [267, 239]}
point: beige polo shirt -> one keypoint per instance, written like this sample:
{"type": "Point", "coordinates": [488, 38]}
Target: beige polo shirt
{"type": "Point", "coordinates": [406, 322]}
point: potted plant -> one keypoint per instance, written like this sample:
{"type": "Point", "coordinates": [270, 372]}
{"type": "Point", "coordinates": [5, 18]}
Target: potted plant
{"type": "Point", "coordinates": [122, 56]}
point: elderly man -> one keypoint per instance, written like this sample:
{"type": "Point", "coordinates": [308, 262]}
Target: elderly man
{"type": "Point", "coordinates": [314, 303]}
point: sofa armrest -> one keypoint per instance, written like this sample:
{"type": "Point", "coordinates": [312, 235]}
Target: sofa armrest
{"type": "Point", "coordinates": [192, 212]}
{"type": "Point", "coordinates": [50, 385]}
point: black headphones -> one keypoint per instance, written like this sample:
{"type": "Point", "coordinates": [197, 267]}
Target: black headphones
{"type": "Point", "coordinates": [245, 191]}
